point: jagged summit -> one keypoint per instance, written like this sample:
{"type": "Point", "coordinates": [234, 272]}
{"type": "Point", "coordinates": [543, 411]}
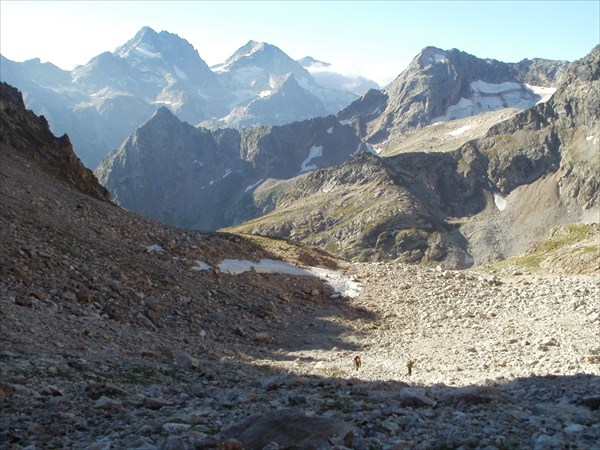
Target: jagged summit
{"type": "Point", "coordinates": [442, 85]}
{"type": "Point", "coordinates": [163, 113]}
{"type": "Point", "coordinates": [267, 57]}
{"type": "Point", "coordinates": [150, 44]}
{"type": "Point", "coordinates": [249, 49]}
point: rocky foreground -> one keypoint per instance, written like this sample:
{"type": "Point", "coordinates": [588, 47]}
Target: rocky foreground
{"type": "Point", "coordinates": [497, 362]}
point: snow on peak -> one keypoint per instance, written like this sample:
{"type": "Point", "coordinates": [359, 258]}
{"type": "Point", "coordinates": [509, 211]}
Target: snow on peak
{"type": "Point", "coordinates": [145, 50]}
{"type": "Point", "coordinates": [252, 47]}
{"type": "Point", "coordinates": [430, 55]}
{"type": "Point", "coordinates": [247, 50]}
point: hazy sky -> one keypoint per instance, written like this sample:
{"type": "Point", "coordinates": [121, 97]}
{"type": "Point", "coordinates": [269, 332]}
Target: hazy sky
{"type": "Point", "coordinates": [372, 38]}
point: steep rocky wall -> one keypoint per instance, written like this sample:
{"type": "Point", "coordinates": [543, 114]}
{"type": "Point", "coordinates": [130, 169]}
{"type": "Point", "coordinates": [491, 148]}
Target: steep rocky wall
{"type": "Point", "coordinates": [29, 134]}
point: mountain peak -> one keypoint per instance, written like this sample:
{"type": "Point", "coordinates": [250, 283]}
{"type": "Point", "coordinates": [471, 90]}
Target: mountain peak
{"type": "Point", "coordinates": [145, 31]}
{"type": "Point", "coordinates": [249, 49]}
{"type": "Point", "coordinates": [150, 44]}
{"type": "Point", "coordinates": [309, 61]}
{"type": "Point", "coordinates": [430, 55]}
{"type": "Point", "coordinates": [163, 113]}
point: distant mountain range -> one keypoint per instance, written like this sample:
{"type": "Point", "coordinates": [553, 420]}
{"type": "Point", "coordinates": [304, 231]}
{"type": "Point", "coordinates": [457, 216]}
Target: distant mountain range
{"type": "Point", "coordinates": [421, 171]}
{"type": "Point", "coordinates": [102, 102]}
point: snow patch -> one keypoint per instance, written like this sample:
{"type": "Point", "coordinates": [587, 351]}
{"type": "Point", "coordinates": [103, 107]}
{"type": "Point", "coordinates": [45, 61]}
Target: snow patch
{"type": "Point", "coordinates": [483, 87]}
{"type": "Point", "coordinates": [200, 266]}
{"type": "Point", "coordinates": [252, 186]}
{"type": "Point", "coordinates": [265, 94]}
{"type": "Point", "coordinates": [147, 53]}
{"type": "Point", "coordinates": [237, 266]}
{"type": "Point", "coordinates": [490, 97]}
{"type": "Point", "coordinates": [329, 130]}
{"type": "Point", "coordinates": [500, 201]}
{"type": "Point", "coordinates": [438, 58]}
{"type": "Point", "coordinates": [364, 147]}
{"type": "Point", "coordinates": [345, 122]}
{"type": "Point", "coordinates": [371, 150]}
{"type": "Point", "coordinates": [314, 152]}
{"type": "Point", "coordinates": [544, 92]}
{"type": "Point", "coordinates": [589, 138]}
{"type": "Point", "coordinates": [180, 73]}
{"type": "Point", "coordinates": [459, 131]}
{"type": "Point", "coordinates": [342, 285]}
{"type": "Point", "coordinates": [155, 248]}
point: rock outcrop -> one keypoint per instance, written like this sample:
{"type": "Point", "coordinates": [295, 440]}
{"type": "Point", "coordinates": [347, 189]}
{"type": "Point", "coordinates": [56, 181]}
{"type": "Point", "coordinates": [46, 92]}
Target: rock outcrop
{"type": "Point", "coordinates": [30, 135]}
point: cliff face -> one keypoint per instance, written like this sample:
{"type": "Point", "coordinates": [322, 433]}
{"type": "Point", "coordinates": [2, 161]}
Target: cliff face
{"type": "Point", "coordinates": [191, 177]}
{"type": "Point", "coordinates": [29, 134]}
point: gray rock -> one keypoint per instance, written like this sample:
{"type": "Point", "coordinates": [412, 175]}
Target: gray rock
{"type": "Point", "coordinates": [185, 361]}
{"type": "Point", "coordinates": [289, 427]}
{"type": "Point", "coordinates": [108, 403]}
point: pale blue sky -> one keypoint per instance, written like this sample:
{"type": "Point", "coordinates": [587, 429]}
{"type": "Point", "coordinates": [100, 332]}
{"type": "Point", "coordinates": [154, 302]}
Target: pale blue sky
{"type": "Point", "coordinates": [377, 39]}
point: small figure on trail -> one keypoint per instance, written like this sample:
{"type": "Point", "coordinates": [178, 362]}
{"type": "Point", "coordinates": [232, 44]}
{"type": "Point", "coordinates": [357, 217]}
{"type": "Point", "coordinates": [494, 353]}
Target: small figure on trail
{"type": "Point", "coordinates": [409, 366]}
{"type": "Point", "coordinates": [357, 362]}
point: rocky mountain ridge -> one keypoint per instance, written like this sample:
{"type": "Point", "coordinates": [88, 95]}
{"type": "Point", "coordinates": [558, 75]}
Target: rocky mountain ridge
{"type": "Point", "coordinates": [526, 175]}
{"type": "Point", "coordinates": [193, 177]}
{"type": "Point", "coordinates": [102, 102]}
{"type": "Point", "coordinates": [120, 332]}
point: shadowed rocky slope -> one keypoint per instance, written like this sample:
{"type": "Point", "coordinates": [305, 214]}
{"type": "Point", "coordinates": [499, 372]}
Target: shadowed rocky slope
{"type": "Point", "coordinates": [191, 177]}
